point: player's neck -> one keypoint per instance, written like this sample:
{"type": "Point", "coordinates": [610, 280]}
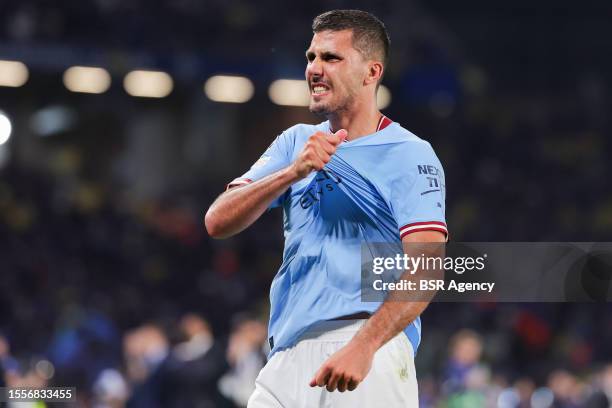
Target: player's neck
{"type": "Point", "coordinates": [358, 123]}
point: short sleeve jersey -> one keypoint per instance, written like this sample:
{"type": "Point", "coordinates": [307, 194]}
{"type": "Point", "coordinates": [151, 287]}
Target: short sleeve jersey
{"type": "Point", "coordinates": [376, 188]}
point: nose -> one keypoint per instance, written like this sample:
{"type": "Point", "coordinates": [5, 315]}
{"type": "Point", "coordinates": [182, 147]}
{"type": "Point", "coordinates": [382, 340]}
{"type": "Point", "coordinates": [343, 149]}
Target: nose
{"type": "Point", "coordinates": [314, 69]}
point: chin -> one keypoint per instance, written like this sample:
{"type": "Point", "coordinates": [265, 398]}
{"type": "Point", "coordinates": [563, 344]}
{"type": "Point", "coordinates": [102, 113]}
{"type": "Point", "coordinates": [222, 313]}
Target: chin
{"type": "Point", "coordinates": [320, 108]}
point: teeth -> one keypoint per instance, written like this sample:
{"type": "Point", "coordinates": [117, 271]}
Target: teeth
{"type": "Point", "coordinates": [318, 89]}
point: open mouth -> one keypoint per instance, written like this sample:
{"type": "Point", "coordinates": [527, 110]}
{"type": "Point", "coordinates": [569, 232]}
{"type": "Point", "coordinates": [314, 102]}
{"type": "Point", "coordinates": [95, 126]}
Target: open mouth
{"type": "Point", "coordinates": [319, 89]}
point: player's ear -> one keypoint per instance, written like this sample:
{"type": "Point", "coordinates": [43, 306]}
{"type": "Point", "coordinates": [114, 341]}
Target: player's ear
{"type": "Point", "coordinates": [375, 71]}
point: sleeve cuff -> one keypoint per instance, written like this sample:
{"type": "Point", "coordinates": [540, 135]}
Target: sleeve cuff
{"type": "Point", "coordinates": [423, 226]}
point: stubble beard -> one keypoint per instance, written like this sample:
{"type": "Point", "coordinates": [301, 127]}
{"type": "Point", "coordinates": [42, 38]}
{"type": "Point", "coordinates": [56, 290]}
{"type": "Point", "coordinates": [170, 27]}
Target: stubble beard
{"type": "Point", "coordinates": [330, 108]}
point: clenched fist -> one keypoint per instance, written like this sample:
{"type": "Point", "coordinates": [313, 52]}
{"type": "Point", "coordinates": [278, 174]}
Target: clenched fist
{"type": "Point", "coordinates": [317, 152]}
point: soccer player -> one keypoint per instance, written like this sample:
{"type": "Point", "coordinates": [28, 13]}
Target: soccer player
{"type": "Point", "coordinates": [356, 178]}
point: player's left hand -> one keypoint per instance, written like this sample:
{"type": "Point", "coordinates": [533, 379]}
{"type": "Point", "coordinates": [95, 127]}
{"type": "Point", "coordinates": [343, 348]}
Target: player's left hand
{"type": "Point", "coordinates": [344, 369]}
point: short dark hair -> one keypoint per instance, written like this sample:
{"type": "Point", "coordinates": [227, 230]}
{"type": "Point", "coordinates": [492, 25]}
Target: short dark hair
{"type": "Point", "coordinates": [370, 36]}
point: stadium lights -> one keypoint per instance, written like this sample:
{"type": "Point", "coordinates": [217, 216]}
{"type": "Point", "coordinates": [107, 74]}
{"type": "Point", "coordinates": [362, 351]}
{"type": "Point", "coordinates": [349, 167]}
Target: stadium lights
{"type": "Point", "coordinates": [5, 128]}
{"type": "Point", "coordinates": [289, 92]}
{"type": "Point", "coordinates": [232, 89]}
{"type": "Point", "coordinates": [148, 84]}
{"type": "Point", "coordinates": [383, 97]}
{"type": "Point", "coordinates": [87, 79]}
{"type": "Point", "coordinates": [13, 73]}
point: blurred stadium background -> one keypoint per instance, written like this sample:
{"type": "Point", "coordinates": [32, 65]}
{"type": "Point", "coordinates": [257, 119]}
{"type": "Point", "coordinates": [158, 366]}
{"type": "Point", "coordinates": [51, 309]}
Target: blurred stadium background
{"type": "Point", "coordinates": [108, 281]}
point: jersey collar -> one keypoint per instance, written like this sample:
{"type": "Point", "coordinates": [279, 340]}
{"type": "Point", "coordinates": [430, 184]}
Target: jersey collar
{"type": "Point", "coordinates": [383, 122]}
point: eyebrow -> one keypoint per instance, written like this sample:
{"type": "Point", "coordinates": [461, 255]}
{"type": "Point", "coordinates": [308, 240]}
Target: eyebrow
{"type": "Point", "coordinates": [324, 54]}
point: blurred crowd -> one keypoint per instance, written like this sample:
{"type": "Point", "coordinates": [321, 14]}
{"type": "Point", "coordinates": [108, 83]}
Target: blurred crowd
{"type": "Point", "coordinates": [135, 306]}
{"type": "Point", "coordinates": [112, 302]}
{"type": "Point", "coordinates": [469, 379]}
{"type": "Point", "coordinates": [177, 26]}
{"type": "Point", "coordinates": [152, 366]}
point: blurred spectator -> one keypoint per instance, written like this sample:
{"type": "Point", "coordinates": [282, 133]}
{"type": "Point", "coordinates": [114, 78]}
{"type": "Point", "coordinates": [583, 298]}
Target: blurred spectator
{"type": "Point", "coordinates": [524, 390]}
{"type": "Point", "coordinates": [110, 390]}
{"type": "Point", "coordinates": [567, 390]}
{"type": "Point", "coordinates": [462, 367]}
{"type": "Point", "coordinates": [145, 349]}
{"type": "Point", "coordinates": [467, 381]}
{"type": "Point", "coordinates": [9, 367]}
{"type": "Point", "coordinates": [246, 356]}
{"type": "Point", "coordinates": [184, 376]}
{"type": "Point", "coordinates": [602, 395]}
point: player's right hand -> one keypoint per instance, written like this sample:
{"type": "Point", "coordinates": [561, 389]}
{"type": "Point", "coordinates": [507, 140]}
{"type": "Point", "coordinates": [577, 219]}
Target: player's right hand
{"type": "Point", "coordinates": [317, 152]}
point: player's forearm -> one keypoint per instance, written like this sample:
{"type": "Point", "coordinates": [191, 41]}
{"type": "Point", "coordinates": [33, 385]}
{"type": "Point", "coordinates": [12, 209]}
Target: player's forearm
{"type": "Point", "coordinates": [402, 307]}
{"type": "Point", "coordinates": [236, 209]}
{"type": "Point", "coordinates": [390, 319]}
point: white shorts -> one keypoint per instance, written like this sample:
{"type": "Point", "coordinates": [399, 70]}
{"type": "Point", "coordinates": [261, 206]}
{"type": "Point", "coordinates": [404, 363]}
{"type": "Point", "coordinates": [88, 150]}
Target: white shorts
{"type": "Point", "coordinates": [284, 381]}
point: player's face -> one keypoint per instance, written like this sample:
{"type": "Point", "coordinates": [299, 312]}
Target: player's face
{"type": "Point", "coordinates": [335, 72]}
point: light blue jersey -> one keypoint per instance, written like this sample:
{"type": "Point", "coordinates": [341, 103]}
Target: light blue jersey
{"type": "Point", "coordinates": [376, 188]}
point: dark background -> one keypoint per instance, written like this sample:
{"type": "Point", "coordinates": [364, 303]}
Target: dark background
{"type": "Point", "coordinates": [101, 234]}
